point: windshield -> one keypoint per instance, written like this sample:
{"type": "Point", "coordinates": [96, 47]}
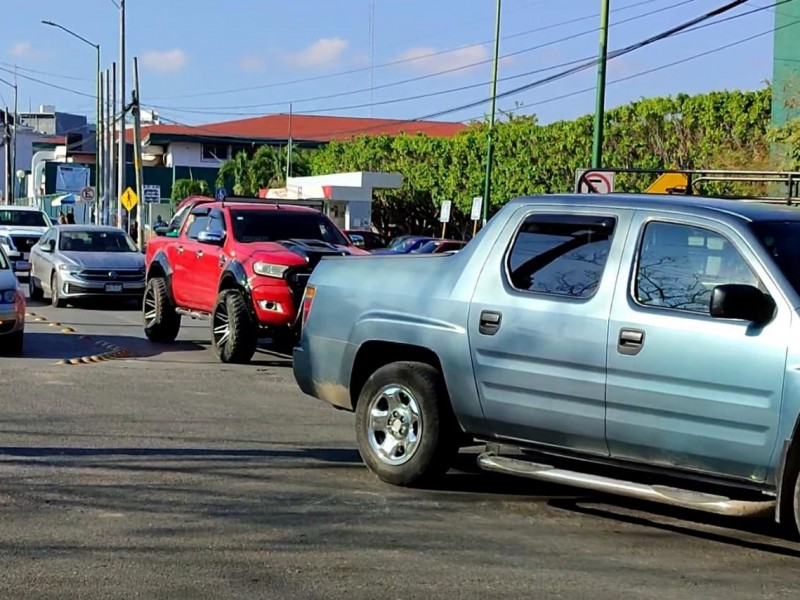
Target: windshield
{"type": "Point", "coordinates": [275, 225]}
{"type": "Point", "coordinates": [96, 241]}
{"type": "Point", "coordinates": [428, 248]}
{"type": "Point", "coordinates": [3, 261]}
{"type": "Point", "coordinates": [782, 240]}
{"type": "Point", "coordinates": [24, 218]}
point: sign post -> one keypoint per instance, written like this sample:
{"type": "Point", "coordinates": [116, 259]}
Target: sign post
{"type": "Point", "coordinates": [88, 194]}
{"type": "Point", "coordinates": [444, 215]}
{"type": "Point", "coordinates": [475, 214]}
{"type": "Point", "coordinates": [129, 200]}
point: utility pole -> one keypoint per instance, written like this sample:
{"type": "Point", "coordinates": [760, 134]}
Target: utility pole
{"type": "Point", "coordinates": [14, 140]}
{"type": "Point", "coordinates": [289, 148]}
{"type": "Point", "coordinates": [487, 184]}
{"type": "Point", "coordinates": [114, 152]}
{"type": "Point", "coordinates": [100, 192]}
{"type": "Point", "coordinates": [121, 183]}
{"type": "Point", "coordinates": [108, 158]}
{"type": "Point", "coordinates": [137, 153]}
{"type": "Point", "coordinates": [600, 107]}
{"type": "Point", "coordinates": [6, 157]}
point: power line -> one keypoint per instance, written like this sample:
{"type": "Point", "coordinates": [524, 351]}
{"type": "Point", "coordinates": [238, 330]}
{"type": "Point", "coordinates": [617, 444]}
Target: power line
{"type": "Point", "coordinates": [49, 84]}
{"type": "Point", "coordinates": [587, 62]}
{"type": "Point", "coordinates": [404, 60]}
{"type": "Point", "coordinates": [223, 109]}
{"type": "Point", "coordinates": [48, 73]}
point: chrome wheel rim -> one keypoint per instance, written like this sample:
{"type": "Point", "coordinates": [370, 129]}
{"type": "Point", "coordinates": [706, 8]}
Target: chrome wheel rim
{"type": "Point", "coordinates": [221, 326]}
{"type": "Point", "coordinates": [150, 308]}
{"type": "Point", "coordinates": [394, 425]}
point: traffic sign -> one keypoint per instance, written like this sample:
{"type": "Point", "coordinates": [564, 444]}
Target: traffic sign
{"type": "Point", "coordinates": [220, 194]}
{"type": "Point", "coordinates": [477, 207]}
{"type": "Point", "coordinates": [129, 199]}
{"type": "Point", "coordinates": [594, 182]}
{"type": "Point", "coordinates": [87, 194]}
{"type": "Point", "coordinates": [444, 215]}
{"type": "Point", "coordinates": [669, 183]}
{"type": "Point", "coordinates": [151, 194]}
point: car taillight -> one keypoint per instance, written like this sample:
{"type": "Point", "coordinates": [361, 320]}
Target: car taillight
{"type": "Point", "coordinates": [308, 300]}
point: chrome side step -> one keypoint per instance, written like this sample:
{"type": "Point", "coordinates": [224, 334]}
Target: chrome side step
{"type": "Point", "coordinates": [655, 493]}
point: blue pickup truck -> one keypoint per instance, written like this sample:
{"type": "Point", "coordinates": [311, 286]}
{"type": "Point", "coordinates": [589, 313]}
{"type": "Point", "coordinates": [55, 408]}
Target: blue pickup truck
{"type": "Point", "coordinates": [647, 346]}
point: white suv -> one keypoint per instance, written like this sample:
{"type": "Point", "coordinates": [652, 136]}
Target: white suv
{"type": "Point", "coordinates": [20, 228]}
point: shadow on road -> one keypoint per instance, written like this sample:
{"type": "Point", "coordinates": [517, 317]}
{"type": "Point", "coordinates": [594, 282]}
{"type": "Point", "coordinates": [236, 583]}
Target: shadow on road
{"type": "Point", "coordinates": [63, 346]}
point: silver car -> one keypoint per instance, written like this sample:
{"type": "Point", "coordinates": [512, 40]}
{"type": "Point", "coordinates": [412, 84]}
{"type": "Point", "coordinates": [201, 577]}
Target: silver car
{"type": "Point", "coordinates": [71, 262]}
{"type": "Point", "coordinates": [12, 309]}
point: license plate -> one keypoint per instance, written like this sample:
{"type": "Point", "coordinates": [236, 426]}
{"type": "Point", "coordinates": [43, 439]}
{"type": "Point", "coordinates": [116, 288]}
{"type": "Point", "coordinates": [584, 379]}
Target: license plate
{"type": "Point", "coordinates": [114, 288]}
{"type": "Point", "coordinates": [22, 265]}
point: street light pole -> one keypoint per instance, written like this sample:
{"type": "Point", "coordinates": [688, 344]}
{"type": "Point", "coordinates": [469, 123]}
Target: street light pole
{"type": "Point", "coordinates": [121, 184]}
{"type": "Point", "coordinates": [10, 145]}
{"type": "Point", "coordinates": [487, 184]}
{"type": "Point", "coordinates": [98, 117]}
{"type": "Point", "coordinates": [600, 108]}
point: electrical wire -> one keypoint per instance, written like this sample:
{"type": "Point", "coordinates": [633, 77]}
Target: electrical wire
{"type": "Point", "coordinates": [47, 73]}
{"type": "Point", "coordinates": [404, 60]}
{"type": "Point", "coordinates": [49, 84]}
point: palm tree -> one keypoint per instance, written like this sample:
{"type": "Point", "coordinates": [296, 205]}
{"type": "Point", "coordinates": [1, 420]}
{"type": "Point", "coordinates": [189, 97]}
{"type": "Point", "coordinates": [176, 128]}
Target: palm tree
{"type": "Point", "coordinates": [267, 168]}
{"type": "Point", "coordinates": [237, 170]}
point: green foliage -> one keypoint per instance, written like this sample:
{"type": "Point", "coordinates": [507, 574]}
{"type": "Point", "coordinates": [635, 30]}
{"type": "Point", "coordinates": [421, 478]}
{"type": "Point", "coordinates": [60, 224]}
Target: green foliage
{"type": "Point", "coordinates": [266, 167]}
{"type": "Point", "coordinates": [183, 188]}
{"type": "Point", "coordinates": [787, 138]}
{"type": "Point", "coordinates": [716, 130]}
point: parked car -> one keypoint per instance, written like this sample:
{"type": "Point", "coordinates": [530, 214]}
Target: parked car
{"type": "Point", "coordinates": [12, 309]}
{"type": "Point", "coordinates": [639, 345]}
{"type": "Point", "coordinates": [368, 240]}
{"type": "Point", "coordinates": [20, 228]}
{"type": "Point", "coordinates": [72, 262]}
{"type": "Point", "coordinates": [440, 247]}
{"type": "Point", "coordinates": [243, 265]}
{"type": "Point", "coordinates": [404, 244]}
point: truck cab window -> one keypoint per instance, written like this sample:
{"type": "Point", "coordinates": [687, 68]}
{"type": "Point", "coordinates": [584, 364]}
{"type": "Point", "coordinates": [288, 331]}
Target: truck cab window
{"type": "Point", "coordinates": [563, 255]}
{"type": "Point", "coordinates": [680, 265]}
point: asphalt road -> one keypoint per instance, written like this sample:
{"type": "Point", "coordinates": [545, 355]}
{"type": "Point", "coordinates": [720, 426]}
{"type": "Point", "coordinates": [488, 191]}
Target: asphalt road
{"type": "Point", "coordinates": [167, 475]}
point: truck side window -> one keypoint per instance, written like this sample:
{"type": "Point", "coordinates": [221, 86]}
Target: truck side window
{"type": "Point", "coordinates": [680, 265]}
{"type": "Point", "coordinates": [563, 255]}
{"type": "Point", "coordinates": [199, 223]}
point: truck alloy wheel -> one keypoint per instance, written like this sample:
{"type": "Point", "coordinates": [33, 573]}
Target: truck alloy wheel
{"type": "Point", "coordinates": [232, 330]}
{"type": "Point", "coordinates": [406, 431]}
{"type": "Point", "coordinates": [161, 322]}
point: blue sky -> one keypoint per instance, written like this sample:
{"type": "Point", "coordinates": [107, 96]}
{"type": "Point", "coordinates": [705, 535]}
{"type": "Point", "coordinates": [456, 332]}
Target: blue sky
{"type": "Point", "coordinates": [194, 53]}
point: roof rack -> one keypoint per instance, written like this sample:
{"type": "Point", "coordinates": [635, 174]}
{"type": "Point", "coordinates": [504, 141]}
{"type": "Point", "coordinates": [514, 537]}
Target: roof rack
{"type": "Point", "coordinates": [318, 204]}
{"type": "Point", "coordinates": [695, 178]}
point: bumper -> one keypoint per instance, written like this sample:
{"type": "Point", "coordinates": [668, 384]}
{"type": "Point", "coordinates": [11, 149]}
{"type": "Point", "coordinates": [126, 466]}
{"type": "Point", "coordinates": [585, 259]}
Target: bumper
{"type": "Point", "coordinates": [73, 287]}
{"type": "Point", "coordinates": [11, 319]}
{"type": "Point", "coordinates": [274, 305]}
{"type": "Point", "coordinates": [20, 262]}
{"type": "Point", "coordinates": [301, 366]}
{"type": "Point", "coordinates": [319, 373]}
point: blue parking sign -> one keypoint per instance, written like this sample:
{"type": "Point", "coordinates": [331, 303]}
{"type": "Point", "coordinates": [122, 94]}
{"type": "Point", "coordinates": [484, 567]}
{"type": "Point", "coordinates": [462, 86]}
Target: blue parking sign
{"type": "Point", "coordinates": [220, 194]}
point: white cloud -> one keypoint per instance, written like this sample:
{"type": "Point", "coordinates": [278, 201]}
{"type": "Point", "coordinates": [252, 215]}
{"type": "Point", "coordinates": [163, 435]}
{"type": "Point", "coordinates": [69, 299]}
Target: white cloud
{"type": "Point", "coordinates": [251, 63]}
{"type": "Point", "coordinates": [166, 61]}
{"type": "Point", "coordinates": [26, 50]}
{"type": "Point", "coordinates": [429, 60]}
{"type": "Point", "coordinates": [321, 53]}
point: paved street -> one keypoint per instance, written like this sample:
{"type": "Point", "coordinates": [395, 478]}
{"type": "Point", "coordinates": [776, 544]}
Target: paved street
{"type": "Point", "coordinates": [168, 475]}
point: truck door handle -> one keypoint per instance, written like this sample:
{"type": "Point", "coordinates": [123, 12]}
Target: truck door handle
{"type": "Point", "coordinates": [630, 342]}
{"type": "Point", "coordinates": [221, 260]}
{"type": "Point", "coordinates": [199, 254]}
{"type": "Point", "coordinates": [180, 249]}
{"type": "Point", "coordinates": [490, 322]}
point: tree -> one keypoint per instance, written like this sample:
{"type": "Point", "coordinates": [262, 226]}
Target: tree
{"type": "Point", "coordinates": [266, 168]}
{"type": "Point", "coordinates": [183, 188]}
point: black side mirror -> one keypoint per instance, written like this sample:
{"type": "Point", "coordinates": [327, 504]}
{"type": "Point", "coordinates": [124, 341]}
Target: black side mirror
{"type": "Point", "coordinates": [743, 302]}
{"type": "Point", "coordinates": [161, 231]}
{"type": "Point", "coordinates": [49, 246]}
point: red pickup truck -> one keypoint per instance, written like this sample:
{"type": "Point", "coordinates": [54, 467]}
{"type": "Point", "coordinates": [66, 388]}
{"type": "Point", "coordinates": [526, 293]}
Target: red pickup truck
{"type": "Point", "coordinates": [242, 264]}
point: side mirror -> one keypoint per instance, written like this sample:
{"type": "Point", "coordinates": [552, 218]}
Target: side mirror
{"type": "Point", "coordinates": [358, 240]}
{"type": "Point", "coordinates": [161, 231]}
{"type": "Point", "coordinates": [49, 246]}
{"type": "Point", "coordinates": [743, 302]}
{"type": "Point", "coordinates": [215, 238]}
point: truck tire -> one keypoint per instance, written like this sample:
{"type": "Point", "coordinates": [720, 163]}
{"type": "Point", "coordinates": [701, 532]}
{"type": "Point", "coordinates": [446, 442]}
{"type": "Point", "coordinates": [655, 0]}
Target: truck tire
{"type": "Point", "coordinates": [407, 434]}
{"type": "Point", "coordinates": [161, 322]}
{"type": "Point", "coordinates": [55, 296]}
{"type": "Point", "coordinates": [233, 332]}
{"type": "Point", "coordinates": [35, 292]}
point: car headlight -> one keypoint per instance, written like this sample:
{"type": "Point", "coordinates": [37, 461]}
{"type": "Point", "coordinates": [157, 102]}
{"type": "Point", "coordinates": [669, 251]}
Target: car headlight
{"type": "Point", "coordinates": [6, 241]}
{"type": "Point", "coordinates": [70, 269]}
{"type": "Point", "coordinates": [9, 296]}
{"type": "Point", "coordinates": [269, 270]}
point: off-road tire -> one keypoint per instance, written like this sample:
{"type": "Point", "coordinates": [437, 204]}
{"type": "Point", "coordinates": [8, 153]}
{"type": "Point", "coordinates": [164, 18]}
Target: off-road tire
{"type": "Point", "coordinates": [240, 344]}
{"type": "Point", "coordinates": [12, 344]}
{"type": "Point", "coordinates": [163, 326]}
{"type": "Point", "coordinates": [55, 297]}
{"type": "Point", "coordinates": [440, 439]}
{"type": "Point", "coordinates": [35, 292]}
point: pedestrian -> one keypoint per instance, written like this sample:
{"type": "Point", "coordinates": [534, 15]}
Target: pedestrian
{"type": "Point", "coordinates": [159, 222]}
{"type": "Point", "coordinates": [71, 217]}
{"type": "Point", "coordinates": [62, 219]}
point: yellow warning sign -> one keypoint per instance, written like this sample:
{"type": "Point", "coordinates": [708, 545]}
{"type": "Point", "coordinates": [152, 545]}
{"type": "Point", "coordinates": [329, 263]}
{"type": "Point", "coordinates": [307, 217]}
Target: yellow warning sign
{"type": "Point", "coordinates": [129, 199]}
{"type": "Point", "coordinates": [669, 183]}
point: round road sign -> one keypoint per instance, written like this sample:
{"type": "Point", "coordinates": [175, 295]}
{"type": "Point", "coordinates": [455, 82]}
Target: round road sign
{"type": "Point", "coordinates": [87, 194]}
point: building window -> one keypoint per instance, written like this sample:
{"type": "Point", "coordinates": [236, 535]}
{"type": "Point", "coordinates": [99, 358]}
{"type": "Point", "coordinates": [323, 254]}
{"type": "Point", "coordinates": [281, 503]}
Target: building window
{"type": "Point", "coordinates": [215, 152]}
{"type": "Point", "coordinates": [562, 255]}
{"type": "Point", "coordinates": [679, 267]}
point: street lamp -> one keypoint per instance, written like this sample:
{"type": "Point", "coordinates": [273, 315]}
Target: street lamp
{"type": "Point", "coordinates": [98, 138]}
